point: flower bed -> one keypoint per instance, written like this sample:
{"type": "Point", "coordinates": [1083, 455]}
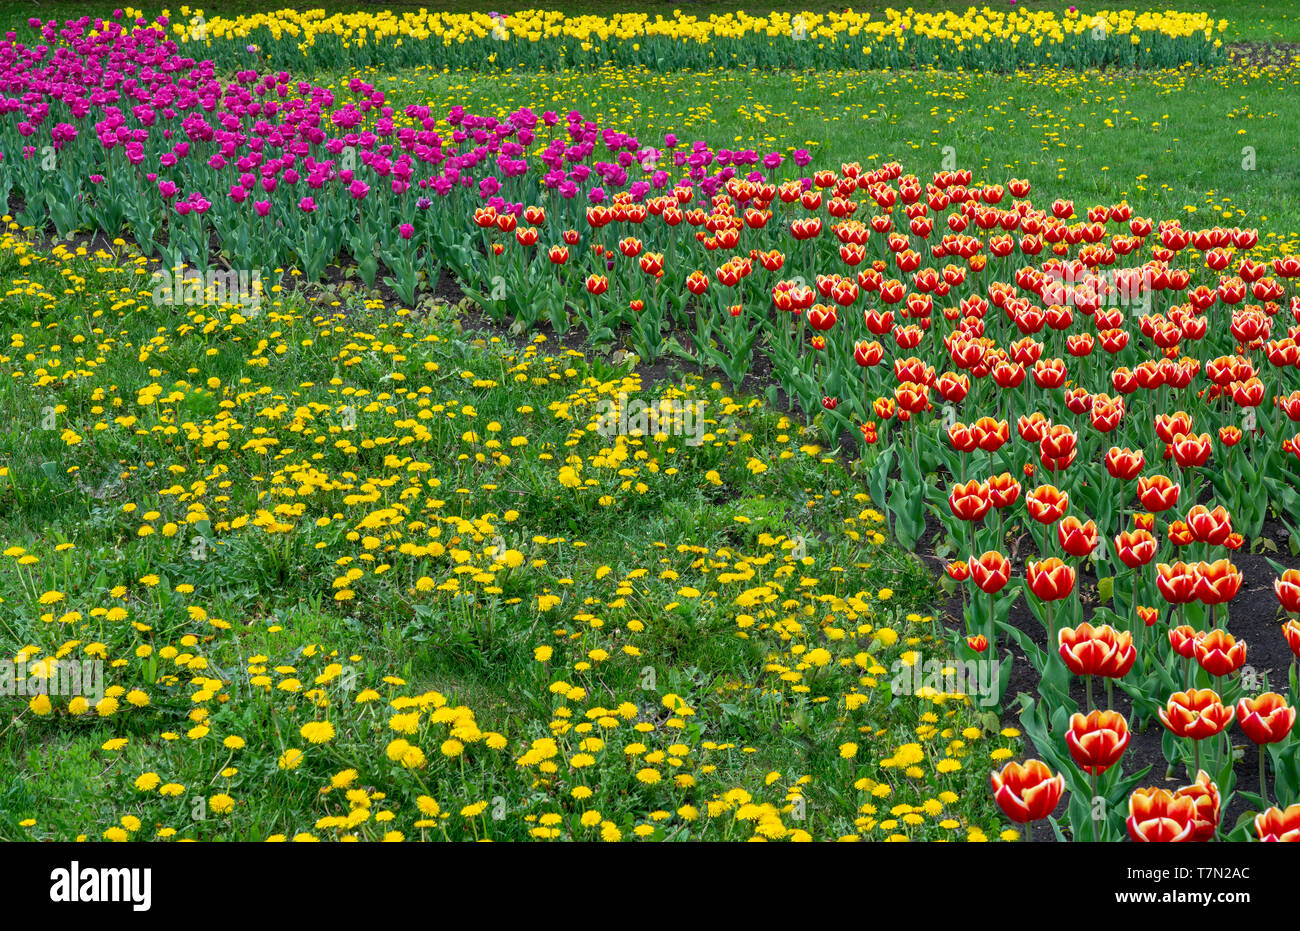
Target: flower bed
{"type": "Point", "coordinates": [1115, 393]}
{"type": "Point", "coordinates": [975, 38]}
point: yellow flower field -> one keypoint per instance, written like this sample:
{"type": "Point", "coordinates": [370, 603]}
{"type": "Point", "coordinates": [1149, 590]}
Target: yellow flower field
{"type": "Point", "coordinates": [321, 553]}
{"type": "Point", "coordinates": [973, 37]}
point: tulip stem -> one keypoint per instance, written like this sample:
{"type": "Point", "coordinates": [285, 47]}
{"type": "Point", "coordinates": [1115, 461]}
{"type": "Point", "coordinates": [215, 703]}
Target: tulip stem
{"type": "Point", "coordinates": [1087, 691]}
{"type": "Point", "coordinates": [1196, 758]}
{"type": "Point", "coordinates": [1138, 623]}
{"type": "Point", "coordinates": [993, 631]}
{"type": "Point", "coordinates": [1227, 741]}
{"type": "Point", "coordinates": [1263, 772]}
{"type": "Point", "coordinates": [1092, 803]}
{"type": "Point", "coordinates": [1139, 627]}
{"type": "Point", "coordinates": [1187, 660]}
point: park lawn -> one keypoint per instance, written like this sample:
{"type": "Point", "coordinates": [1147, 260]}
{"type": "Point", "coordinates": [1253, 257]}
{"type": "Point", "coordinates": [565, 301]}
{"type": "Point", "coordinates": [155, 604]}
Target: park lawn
{"type": "Point", "coordinates": [354, 572]}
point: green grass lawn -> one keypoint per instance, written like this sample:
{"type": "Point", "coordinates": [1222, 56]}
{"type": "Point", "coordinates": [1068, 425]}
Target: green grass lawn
{"type": "Point", "coordinates": [361, 574]}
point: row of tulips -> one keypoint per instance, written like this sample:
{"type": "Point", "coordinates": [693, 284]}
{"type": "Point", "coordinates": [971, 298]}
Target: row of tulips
{"type": "Point", "coordinates": [971, 38]}
{"type": "Point", "coordinates": [1117, 390]}
{"type": "Point", "coordinates": [1030, 792]}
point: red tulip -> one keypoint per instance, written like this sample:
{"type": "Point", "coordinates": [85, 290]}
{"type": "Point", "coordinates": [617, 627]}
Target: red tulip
{"type": "Point", "coordinates": [1196, 714]}
{"type": "Point", "coordinates": [1169, 425]}
{"type": "Point", "coordinates": [990, 434]}
{"type": "Point", "coordinates": [958, 570]}
{"type": "Point", "coordinates": [990, 572]}
{"type": "Point", "coordinates": [914, 370]}
{"type": "Point", "coordinates": [1229, 435]}
{"type": "Point", "coordinates": [867, 354]}
{"type": "Point", "coordinates": [1180, 534]}
{"type": "Point", "coordinates": [1291, 630]}
{"type": "Point", "coordinates": [1217, 582]}
{"type": "Point", "coordinates": [1096, 651]}
{"type": "Point", "coordinates": [1219, 653]}
{"type": "Point", "coordinates": [1080, 344]}
{"type": "Point", "coordinates": [1287, 588]}
{"type": "Point", "coordinates": [1191, 450]}
{"type": "Point", "coordinates": [961, 439]}
{"type": "Point", "coordinates": [1205, 805]}
{"type": "Point", "coordinates": [1106, 414]}
{"type": "Point", "coordinates": [1050, 579]}
{"type": "Point", "coordinates": [1278, 825]}
{"type": "Point", "coordinates": [1248, 393]}
{"type": "Point", "coordinates": [1097, 741]}
{"type": "Point", "coordinates": [953, 386]}
{"type": "Point", "coordinates": [1004, 490]}
{"type": "Point", "coordinates": [1135, 548]}
{"type": "Point", "coordinates": [821, 317]}
{"type": "Point", "coordinates": [1157, 492]}
{"type": "Point", "coordinates": [1047, 503]}
{"type": "Point", "coordinates": [1176, 583]}
{"type": "Point", "coordinates": [1077, 539]}
{"type": "Point", "coordinates": [1029, 792]}
{"type": "Point", "coordinates": [1183, 639]}
{"type": "Point", "coordinates": [1049, 373]}
{"type": "Point", "coordinates": [912, 397]}
{"type": "Point", "coordinates": [1031, 427]}
{"type": "Point", "coordinates": [1212, 527]}
{"type": "Point", "coordinates": [969, 501]}
{"type": "Point", "coordinates": [1266, 718]}
{"type": "Point", "coordinates": [1057, 448]}
{"type": "Point", "coordinates": [1156, 815]}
